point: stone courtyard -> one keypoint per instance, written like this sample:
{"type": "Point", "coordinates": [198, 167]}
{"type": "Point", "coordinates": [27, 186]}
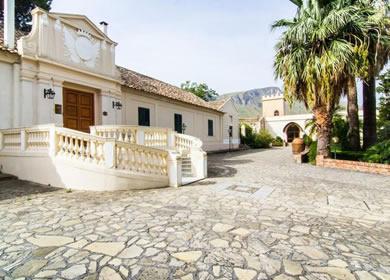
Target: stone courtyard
{"type": "Point", "coordinates": [257, 216]}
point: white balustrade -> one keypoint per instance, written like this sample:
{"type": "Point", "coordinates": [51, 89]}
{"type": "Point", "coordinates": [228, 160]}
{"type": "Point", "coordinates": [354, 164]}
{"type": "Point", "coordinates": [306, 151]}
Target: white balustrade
{"type": "Point", "coordinates": [141, 159]}
{"type": "Point", "coordinates": [80, 146]}
{"type": "Point", "coordinates": [10, 140]}
{"type": "Point", "coordinates": [37, 139]}
{"type": "Point", "coordinates": [143, 150]}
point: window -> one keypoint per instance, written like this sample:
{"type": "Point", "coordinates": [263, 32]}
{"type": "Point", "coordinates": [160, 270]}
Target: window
{"type": "Point", "coordinates": [276, 113]}
{"type": "Point", "coordinates": [211, 128]}
{"type": "Point", "coordinates": [178, 123]}
{"type": "Point", "coordinates": [230, 131]}
{"type": "Point", "coordinates": [143, 116]}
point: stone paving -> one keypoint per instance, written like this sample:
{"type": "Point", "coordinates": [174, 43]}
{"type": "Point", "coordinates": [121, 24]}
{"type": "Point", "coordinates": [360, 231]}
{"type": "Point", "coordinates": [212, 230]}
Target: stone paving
{"type": "Point", "coordinates": [258, 216]}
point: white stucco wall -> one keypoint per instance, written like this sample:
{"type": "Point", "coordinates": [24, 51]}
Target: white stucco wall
{"type": "Point", "coordinates": [6, 92]}
{"type": "Point", "coordinates": [276, 125]}
{"type": "Point", "coordinates": [162, 115]}
{"type": "Point", "coordinates": [231, 118]}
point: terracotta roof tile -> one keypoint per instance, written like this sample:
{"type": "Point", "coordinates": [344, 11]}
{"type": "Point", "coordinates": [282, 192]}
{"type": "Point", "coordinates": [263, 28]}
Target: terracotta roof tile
{"type": "Point", "coordinates": [139, 81]}
{"type": "Point", "coordinates": [220, 102]}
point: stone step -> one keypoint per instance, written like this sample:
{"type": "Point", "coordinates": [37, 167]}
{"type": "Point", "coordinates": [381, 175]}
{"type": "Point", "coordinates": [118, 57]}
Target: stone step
{"type": "Point", "coordinates": [7, 177]}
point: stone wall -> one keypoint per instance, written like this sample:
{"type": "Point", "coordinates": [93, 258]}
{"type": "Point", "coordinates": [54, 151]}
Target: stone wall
{"type": "Point", "coordinates": [376, 168]}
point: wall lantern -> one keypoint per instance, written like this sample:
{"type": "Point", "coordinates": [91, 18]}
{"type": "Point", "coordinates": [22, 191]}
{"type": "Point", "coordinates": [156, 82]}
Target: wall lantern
{"type": "Point", "coordinates": [183, 128]}
{"type": "Point", "coordinates": [116, 105]}
{"type": "Point", "coordinates": [48, 93]}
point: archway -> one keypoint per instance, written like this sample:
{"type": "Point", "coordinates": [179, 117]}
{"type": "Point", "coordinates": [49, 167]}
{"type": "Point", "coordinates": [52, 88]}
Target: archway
{"type": "Point", "coordinates": [292, 131]}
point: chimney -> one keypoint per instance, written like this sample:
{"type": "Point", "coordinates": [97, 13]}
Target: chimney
{"type": "Point", "coordinates": [104, 26]}
{"type": "Point", "coordinates": [9, 23]}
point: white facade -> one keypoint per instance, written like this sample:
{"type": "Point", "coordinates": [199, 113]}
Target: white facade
{"type": "Point", "coordinates": [68, 52]}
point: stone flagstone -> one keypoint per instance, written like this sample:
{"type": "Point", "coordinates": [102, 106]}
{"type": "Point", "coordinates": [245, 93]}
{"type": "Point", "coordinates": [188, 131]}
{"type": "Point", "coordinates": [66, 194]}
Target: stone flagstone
{"type": "Point", "coordinates": [131, 252]}
{"type": "Point", "coordinates": [106, 248]}
{"type": "Point", "coordinates": [108, 273]}
{"type": "Point", "coordinates": [245, 274]}
{"type": "Point", "coordinates": [189, 256]}
{"type": "Point", "coordinates": [222, 227]}
{"type": "Point", "coordinates": [49, 241]}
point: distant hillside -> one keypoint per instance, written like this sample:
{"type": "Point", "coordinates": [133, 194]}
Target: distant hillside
{"type": "Point", "coordinates": [249, 103]}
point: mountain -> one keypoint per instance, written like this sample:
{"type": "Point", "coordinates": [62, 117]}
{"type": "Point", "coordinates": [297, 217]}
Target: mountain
{"type": "Point", "coordinates": [249, 103]}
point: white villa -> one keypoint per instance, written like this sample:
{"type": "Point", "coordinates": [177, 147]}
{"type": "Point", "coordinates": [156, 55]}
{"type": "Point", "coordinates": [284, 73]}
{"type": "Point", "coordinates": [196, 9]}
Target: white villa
{"type": "Point", "coordinates": [70, 117]}
{"type": "Point", "coordinates": [278, 119]}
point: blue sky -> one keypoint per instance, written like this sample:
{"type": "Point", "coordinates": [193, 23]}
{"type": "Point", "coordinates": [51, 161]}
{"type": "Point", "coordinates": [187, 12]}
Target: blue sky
{"type": "Point", "coordinates": [226, 43]}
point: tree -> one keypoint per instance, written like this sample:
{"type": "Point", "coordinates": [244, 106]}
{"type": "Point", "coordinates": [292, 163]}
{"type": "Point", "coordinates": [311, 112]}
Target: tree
{"type": "Point", "coordinates": [378, 55]}
{"type": "Point", "coordinates": [201, 90]}
{"type": "Point", "coordinates": [384, 107]}
{"type": "Point", "coordinates": [23, 10]}
{"type": "Point", "coordinates": [313, 58]}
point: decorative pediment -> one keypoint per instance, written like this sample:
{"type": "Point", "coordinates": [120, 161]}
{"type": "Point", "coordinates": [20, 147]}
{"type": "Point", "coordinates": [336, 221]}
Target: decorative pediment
{"type": "Point", "coordinates": [83, 23]}
{"type": "Point", "coordinates": [70, 40]}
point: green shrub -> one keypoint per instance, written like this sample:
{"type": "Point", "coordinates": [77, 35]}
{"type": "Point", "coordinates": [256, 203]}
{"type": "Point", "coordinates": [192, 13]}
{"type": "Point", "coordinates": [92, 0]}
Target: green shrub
{"type": "Point", "coordinates": [262, 139]}
{"type": "Point", "coordinates": [256, 140]}
{"type": "Point", "coordinates": [277, 142]}
{"type": "Point", "coordinates": [379, 153]}
{"type": "Point", "coordinates": [340, 130]}
{"type": "Point", "coordinates": [312, 152]}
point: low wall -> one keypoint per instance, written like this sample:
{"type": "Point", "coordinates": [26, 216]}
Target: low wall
{"type": "Point", "coordinates": [375, 168]}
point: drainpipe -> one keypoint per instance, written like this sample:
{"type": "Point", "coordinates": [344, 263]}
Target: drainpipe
{"type": "Point", "coordinates": [9, 24]}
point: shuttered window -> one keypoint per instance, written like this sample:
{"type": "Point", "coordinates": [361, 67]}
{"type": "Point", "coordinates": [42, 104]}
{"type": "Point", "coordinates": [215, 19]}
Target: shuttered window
{"type": "Point", "coordinates": [143, 116]}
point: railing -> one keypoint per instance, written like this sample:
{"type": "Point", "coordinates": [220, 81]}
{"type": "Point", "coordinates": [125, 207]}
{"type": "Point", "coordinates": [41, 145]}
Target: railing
{"type": "Point", "coordinates": [91, 149]}
{"type": "Point", "coordinates": [126, 134]}
{"type": "Point", "coordinates": [37, 139]}
{"type": "Point", "coordinates": [141, 159]}
{"type": "Point", "coordinates": [155, 152]}
{"type": "Point", "coordinates": [184, 143]}
{"type": "Point", "coordinates": [79, 146]}
{"type": "Point", "coordinates": [10, 140]}
{"type": "Point", "coordinates": [149, 136]}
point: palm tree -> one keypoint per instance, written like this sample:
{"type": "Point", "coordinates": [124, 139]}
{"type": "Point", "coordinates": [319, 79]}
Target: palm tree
{"type": "Point", "coordinates": [314, 57]}
{"type": "Point", "coordinates": [379, 52]}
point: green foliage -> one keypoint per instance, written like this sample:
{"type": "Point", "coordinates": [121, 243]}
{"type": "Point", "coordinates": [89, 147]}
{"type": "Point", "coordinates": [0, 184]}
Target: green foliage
{"type": "Point", "coordinates": [277, 142]}
{"type": "Point", "coordinates": [256, 140]}
{"type": "Point", "coordinates": [379, 153]}
{"type": "Point", "coordinates": [383, 122]}
{"type": "Point", "coordinates": [340, 130]}
{"type": "Point", "coordinates": [262, 139]}
{"type": "Point", "coordinates": [23, 10]}
{"type": "Point", "coordinates": [312, 152]}
{"type": "Point", "coordinates": [201, 90]}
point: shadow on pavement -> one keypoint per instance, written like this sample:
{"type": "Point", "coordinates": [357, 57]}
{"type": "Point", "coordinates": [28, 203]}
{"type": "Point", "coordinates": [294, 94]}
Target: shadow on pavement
{"type": "Point", "coordinates": [16, 188]}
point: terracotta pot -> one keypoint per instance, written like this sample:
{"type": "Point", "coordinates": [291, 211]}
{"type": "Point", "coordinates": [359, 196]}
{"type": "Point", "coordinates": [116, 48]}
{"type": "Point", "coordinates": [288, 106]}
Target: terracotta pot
{"type": "Point", "coordinates": [298, 146]}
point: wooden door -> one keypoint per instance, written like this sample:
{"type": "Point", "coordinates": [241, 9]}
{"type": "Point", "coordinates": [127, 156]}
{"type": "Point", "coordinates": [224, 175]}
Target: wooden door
{"type": "Point", "coordinates": [78, 110]}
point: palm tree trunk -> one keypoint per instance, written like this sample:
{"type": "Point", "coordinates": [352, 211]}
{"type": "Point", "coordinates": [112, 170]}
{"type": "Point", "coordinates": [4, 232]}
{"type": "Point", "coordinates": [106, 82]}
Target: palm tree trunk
{"type": "Point", "coordinates": [353, 116]}
{"type": "Point", "coordinates": [324, 127]}
{"type": "Point", "coordinates": [369, 112]}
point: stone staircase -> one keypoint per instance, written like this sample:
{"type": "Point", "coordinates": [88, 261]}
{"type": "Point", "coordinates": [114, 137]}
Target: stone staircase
{"type": "Point", "coordinates": [186, 167]}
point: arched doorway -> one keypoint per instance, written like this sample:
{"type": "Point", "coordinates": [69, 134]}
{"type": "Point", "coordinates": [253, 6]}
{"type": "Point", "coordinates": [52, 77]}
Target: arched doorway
{"type": "Point", "coordinates": [292, 131]}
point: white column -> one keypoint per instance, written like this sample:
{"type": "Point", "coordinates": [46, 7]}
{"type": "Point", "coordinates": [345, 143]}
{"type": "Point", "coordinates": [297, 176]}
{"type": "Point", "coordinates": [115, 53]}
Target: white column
{"type": "Point", "coordinates": [16, 91]}
{"type": "Point", "coordinates": [109, 154]}
{"type": "Point", "coordinates": [1, 141]}
{"type": "Point", "coordinates": [53, 142]}
{"type": "Point", "coordinates": [23, 140]}
{"type": "Point", "coordinates": [174, 170]}
{"type": "Point", "coordinates": [140, 137]}
{"type": "Point", "coordinates": [9, 23]}
{"type": "Point", "coordinates": [171, 139]}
